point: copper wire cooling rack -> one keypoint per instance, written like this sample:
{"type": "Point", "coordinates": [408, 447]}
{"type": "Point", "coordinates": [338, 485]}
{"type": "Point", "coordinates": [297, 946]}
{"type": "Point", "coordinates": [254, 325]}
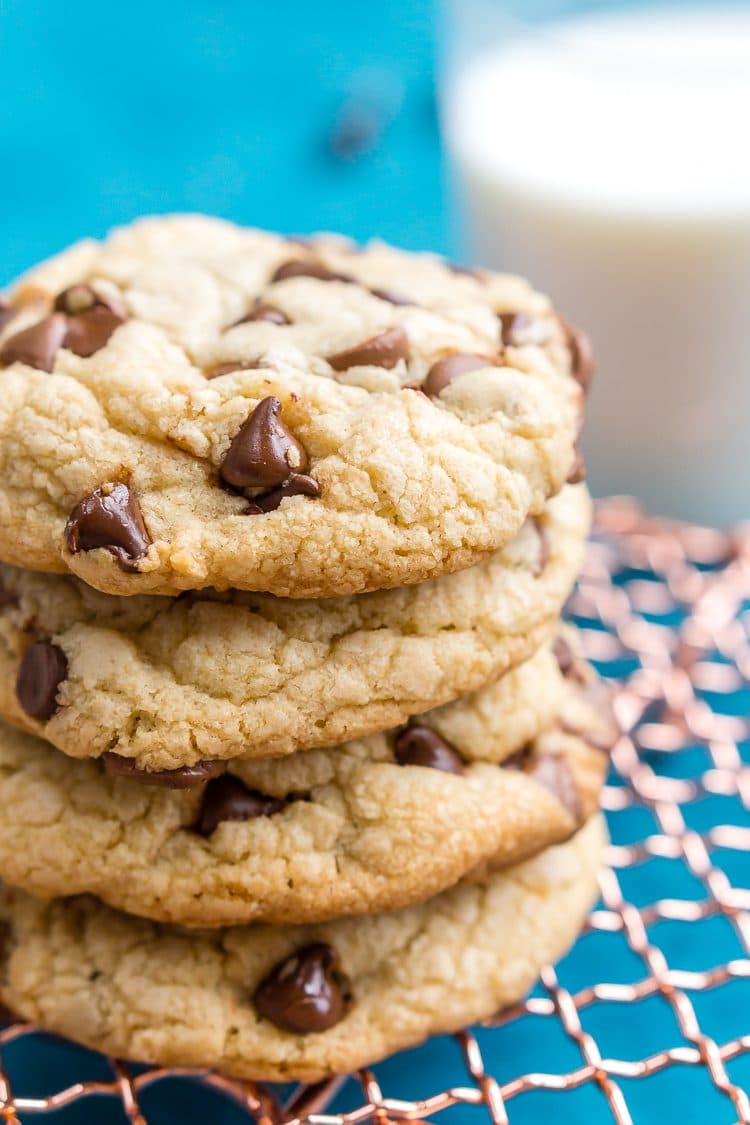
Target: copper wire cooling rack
{"type": "Point", "coordinates": [664, 610]}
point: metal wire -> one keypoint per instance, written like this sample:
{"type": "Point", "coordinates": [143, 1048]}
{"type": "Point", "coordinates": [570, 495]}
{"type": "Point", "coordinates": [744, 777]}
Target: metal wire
{"type": "Point", "coordinates": [665, 610]}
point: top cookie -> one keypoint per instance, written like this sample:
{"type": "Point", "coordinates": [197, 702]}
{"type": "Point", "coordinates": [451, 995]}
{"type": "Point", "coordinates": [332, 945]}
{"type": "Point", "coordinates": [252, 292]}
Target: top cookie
{"type": "Point", "coordinates": [191, 404]}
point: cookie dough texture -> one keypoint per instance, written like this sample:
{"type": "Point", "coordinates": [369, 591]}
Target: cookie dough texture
{"type": "Point", "coordinates": [359, 832]}
{"type": "Point", "coordinates": [410, 486]}
{"type": "Point", "coordinates": [165, 996]}
{"type": "Point", "coordinates": [169, 682]}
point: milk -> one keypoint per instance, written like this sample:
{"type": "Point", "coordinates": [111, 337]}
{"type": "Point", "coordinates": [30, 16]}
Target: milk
{"type": "Point", "coordinates": [609, 160]}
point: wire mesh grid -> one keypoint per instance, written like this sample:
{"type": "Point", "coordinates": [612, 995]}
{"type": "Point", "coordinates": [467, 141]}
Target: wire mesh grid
{"type": "Point", "coordinates": [664, 610]}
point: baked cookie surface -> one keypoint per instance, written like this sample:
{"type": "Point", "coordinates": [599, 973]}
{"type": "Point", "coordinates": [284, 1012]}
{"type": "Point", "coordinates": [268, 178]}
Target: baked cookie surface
{"type": "Point", "coordinates": [193, 404]}
{"type": "Point", "coordinates": [295, 1002]}
{"type": "Point", "coordinates": [366, 826]}
{"type": "Point", "coordinates": [170, 683]}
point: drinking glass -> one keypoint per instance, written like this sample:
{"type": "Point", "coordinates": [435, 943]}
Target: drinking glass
{"type": "Point", "coordinates": [600, 149]}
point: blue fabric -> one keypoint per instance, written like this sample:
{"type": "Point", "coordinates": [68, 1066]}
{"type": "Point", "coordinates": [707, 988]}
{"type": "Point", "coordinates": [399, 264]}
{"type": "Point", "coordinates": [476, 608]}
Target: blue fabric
{"type": "Point", "coordinates": [109, 111]}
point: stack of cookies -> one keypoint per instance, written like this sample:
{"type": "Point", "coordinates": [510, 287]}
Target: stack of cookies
{"type": "Point", "coordinates": [301, 765]}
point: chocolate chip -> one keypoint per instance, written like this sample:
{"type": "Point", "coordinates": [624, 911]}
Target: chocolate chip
{"type": "Point", "coordinates": [263, 453]}
{"type": "Point", "coordinates": [392, 297]}
{"type": "Point", "coordinates": [305, 267]}
{"type": "Point", "coordinates": [36, 346]}
{"type": "Point", "coordinates": [92, 318]}
{"type": "Point", "coordinates": [298, 485]}
{"type": "Point", "coordinates": [110, 518]}
{"type": "Point", "coordinates": [228, 798]}
{"type": "Point", "coordinates": [420, 746]}
{"type": "Point", "coordinates": [518, 760]}
{"type": "Point", "coordinates": [544, 546]}
{"type": "Point", "coordinates": [552, 771]}
{"type": "Point", "coordinates": [512, 327]}
{"type": "Point", "coordinates": [306, 993]}
{"type": "Point", "coordinates": [43, 668]}
{"type": "Point", "coordinates": [383, 350]}
{"type": "Point", "coordinates": [446, 370]}
{"type": "Point", "coordinates": [268, 313]}
{"type": "Point", "coordinates": [186, 777]}
{"type": "Point", "coordinates": [581, 354]}
{"type": "Point", "coordinates": [7, 312]}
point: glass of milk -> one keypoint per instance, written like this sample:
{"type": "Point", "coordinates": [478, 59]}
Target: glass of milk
{"type": "Point", "coordinates": [605, 153]}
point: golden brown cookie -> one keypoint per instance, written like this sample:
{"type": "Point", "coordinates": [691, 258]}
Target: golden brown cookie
{"type": "Point", "coordinates": [192, 404]}
{"type": "Point", "coordinates": [302, 1002]}
{"type": "Point", "coordinates": [366, 826]}
{"type": "Point", "coordinates": [171, 683]}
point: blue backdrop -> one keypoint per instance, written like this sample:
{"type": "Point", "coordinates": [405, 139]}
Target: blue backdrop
{"type": "Point", "coordinates": [256, 111]}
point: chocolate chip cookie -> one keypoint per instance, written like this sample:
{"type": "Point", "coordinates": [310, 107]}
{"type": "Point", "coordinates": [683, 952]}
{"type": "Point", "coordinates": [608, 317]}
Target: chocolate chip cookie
{"type": "Point", "coordinates": [166, 684]}
{"type": "Point", "coordinates": [366, 826]}
{"type": "Point", "coordinates": [190, 404]}
{"type": "Point", "coordinates": [295, 1002]}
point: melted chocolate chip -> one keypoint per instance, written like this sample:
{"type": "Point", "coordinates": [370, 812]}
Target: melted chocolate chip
{"type": "Point", "coordinates": [228, 798]}
{"type": "Point", "coordinates": [514, 327]}
{"type": "Point", "coordinates": [36, 346]}
{"type": "Point", "coordinates": [581, 354]}
{"type": "Point", "coordinates": [43, 668]}
{"type": "Point", "coordinates": [383, 350]}
{"type": "Point", "coordinates": [446, 370]}
{"type": "Point", "coordinates": [552, 771]}
{"type": "Point", "coordinates": [263, 453]}
{"type": "Point", "coordinates": [7, 312]}
{"type": "Point", "coordinates": [186, 777]}
{"type": "Point", "coordinates": [306, 993]}
{"type": "Point", "coordinates": [110, 518]}
{"type": "Point", "coordinates": [392, 297]}
{"type": "Point", "coordinates": [298, 485]}
{"type": "Point", "coordinates": [518, 760]}
{"type": "Point", "coordinates": [302, 267]}
{"type": "Point", "coordinates": [268, 313]}
{"type": "Point", "coordinates": [519, 328]}
{"type": "Point", "coordinates": [420, 746]}
{"type": "Point", "coordinates": [92, 318]}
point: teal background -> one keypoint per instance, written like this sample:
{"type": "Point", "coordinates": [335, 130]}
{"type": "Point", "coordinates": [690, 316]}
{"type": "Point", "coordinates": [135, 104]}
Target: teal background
{"type": "Point", "coordinates": [109, 111]}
